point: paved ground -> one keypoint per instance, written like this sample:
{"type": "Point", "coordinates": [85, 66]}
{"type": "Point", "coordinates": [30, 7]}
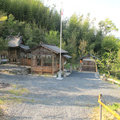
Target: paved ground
{"type": "Point", "coordinates": [69, 99]}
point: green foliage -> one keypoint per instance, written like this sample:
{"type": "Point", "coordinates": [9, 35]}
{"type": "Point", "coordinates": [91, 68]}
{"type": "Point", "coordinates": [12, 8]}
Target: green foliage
{"type": "Point", "coordinates": [109, 43]}
{"type": "Point", "coordinates": [107, 26]}
{"type": "Point", "coordinates": [114, 106]}
{"type": "Point", "coordinates": [109, 56]}
{"type": "Point", "coordinates": [53, 38]}
{"type": "Point", "coordinates": [3, 44]}
{"type": "Point", "coordinates": [68, 66]}
{"type": "Point", "coordinates": [32, 11]}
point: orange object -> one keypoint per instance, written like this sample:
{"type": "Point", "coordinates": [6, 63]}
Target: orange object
{"type": "Point", "coordinates": [80, 61]}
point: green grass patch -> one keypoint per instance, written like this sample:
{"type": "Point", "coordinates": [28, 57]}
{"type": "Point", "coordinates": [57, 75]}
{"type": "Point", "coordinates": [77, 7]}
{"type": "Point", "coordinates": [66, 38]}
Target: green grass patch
{"type": "Point", "coordinates": [1, 112]}
{"type": "Point", "coordinates": [18, 92]}
{"type": "Point", "coordinates": [14, 86]}
{"type": "Point", "coordinates": [115, 106]}
{"type": "Point", "coordinates": [11, 100]}
{"type": "Point", "coordinates": [1, 102]}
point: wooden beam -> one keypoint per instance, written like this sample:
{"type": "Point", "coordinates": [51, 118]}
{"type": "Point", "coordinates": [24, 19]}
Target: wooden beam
{"type": "Point", "coordinates": [41, 65]}
{"type": "Point", "coordinates": [63, 63]}
{"type": "Point", "coordinates": [15, 52]}
{"type": "Point", "coordinates": [52, 64]}
{"type": "Point", "coordinates": [89, 65]}
{"type": "Point", "coordinates": [96, 66]}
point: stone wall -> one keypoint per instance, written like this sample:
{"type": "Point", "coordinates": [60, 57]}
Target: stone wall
{"type": "Point", "coordinates": [16, 71]}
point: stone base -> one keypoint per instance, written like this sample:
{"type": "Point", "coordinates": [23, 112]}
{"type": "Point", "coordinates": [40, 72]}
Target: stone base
{"type": "Point", "coordinates": [15, 70]}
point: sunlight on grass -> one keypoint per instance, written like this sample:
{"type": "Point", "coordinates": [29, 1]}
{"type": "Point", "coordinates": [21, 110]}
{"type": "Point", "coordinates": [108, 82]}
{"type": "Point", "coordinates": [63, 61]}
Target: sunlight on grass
{"type": "Point", "coordinates": [1, 112]}
{"type": "Point", "coordinates": [105, 114]}
{"type": "Point", "coordinates": [14, 86]}
{"type": "Point", "coordinates": [11, 100]}
{"type": "Point", "coordinates": [18, 92]}
{"type": "Point", "coordinates": [3, 18]}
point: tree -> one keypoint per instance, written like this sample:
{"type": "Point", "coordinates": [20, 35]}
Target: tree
{"type": "Point", "coordinates": [53, 38]}
{"type": "Point", "coordinates": [3, 46]}
{"type": "Point", "coordinates": [109, 53]}
{"type": "Point", "coordinates": [115, 67]}
{"type": "Point", "coordinates": [107, 26]}
{"type": "Point", "coordinates": [82, 47]}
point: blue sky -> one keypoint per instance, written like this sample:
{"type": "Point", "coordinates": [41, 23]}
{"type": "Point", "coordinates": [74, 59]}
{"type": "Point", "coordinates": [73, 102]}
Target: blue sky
{"type": "Point", "coordinates": [99, 9]}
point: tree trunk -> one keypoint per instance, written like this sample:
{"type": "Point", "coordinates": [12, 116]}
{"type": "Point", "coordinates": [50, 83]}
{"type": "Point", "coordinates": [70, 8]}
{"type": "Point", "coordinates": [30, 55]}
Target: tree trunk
{"type": "Point", "coordinates": [108, 74]}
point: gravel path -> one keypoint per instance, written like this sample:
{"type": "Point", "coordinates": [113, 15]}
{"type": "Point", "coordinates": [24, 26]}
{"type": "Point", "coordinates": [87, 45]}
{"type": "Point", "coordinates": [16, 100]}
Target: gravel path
{"type": "Point", "coordinates": [69, 99]}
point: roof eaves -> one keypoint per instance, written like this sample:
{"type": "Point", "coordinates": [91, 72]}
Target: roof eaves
{"type": "Point", "coordinates": [49, 49]}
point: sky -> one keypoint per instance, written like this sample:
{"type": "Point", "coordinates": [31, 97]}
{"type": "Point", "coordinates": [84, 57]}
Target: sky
{"type": "Point", "coordinates": [99, 9]}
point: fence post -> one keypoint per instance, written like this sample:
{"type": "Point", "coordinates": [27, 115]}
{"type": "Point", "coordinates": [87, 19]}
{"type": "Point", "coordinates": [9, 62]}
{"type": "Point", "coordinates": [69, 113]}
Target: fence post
{"type": "Point", "coordinates": [100, 107]}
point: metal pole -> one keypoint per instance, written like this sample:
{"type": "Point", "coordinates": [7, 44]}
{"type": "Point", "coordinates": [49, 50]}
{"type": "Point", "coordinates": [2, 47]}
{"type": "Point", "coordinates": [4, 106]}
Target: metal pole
{"type": "Point", "coordinates": [59, 76]}
{"type": "Point", "coordinates": [60, 40]}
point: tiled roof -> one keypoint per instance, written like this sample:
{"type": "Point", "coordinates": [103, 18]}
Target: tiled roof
{"type": "Point", "coordinates": [15, 41]}
{"type": "Point", "coordinates": [24, 47]}
{"type": "Point", "coordinates": [53, 48]}
{"type": "Point", "coordinates": [88, 55]}
{"type": "Point", "coordinates": [67, 56]}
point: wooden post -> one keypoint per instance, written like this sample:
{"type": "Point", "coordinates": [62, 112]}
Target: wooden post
{"type": "Point", "coordinates": [15, 55]}
{"type": "Point", "coordinates": [8, 56]}
{"type": "Point", "coordinates": [52, 64]}
{"type": "Point", "coordinates": [63, 64]}
{"type": "Point", "coordinates": [100, 109]}
{"type": "Point", "coordinates": [41, 65]}
{"type": "Point", "coordinates": [27, 58]}
{"type": "Point", "coordinates": [96, 65]}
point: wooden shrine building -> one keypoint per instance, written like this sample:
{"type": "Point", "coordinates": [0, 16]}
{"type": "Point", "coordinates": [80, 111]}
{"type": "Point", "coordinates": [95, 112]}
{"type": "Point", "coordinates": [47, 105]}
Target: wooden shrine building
{"type": "Point", "coordinates": [17, 50]}
{"type": "Point", "coordinates": [88, 63]}
{"type": "Point", "coordinates": [45, 58]}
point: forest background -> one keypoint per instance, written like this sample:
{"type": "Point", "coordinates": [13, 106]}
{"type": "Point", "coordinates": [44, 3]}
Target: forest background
{"type": "Point", "coordinates": [37, 23]}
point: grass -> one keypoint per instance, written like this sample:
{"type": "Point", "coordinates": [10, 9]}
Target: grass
{"type": "Point", "coordinates": [18, 92]}
{"type": "Point", "coordinates": [11, 100]}
{"type": "Point", "coordinates": [106, 115]}
{"type": "Point", "coordinates": [1, 112]}
{"type": "Point", "coordinates": [46, 75]}
{"type": "Point", "coordinates": [1, 102]}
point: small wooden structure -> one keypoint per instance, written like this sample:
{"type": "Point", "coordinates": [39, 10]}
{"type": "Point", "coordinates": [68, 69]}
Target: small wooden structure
{"type": "Point", "coordinates": [17, 51]}
{"type": "Point", "coordinates": [45, 58]}
{"type": "Point", "coordinates": [4, 55]}
{"type": "Point", "coordinates": [88, 63]}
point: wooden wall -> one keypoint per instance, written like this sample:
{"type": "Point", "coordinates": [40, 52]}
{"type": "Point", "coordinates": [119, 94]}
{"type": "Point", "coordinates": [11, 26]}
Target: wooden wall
{"type": "Point", "coordinates": [25, 61]}
{"type": "Point", "coordinates": [88, 64]}
{"type": "Point", "coordinates": [51, 68]}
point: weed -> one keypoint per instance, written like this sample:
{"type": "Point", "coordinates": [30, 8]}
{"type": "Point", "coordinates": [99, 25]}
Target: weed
{"type": "Point", "coordinates": [1, 102]}
{"type": "Point", "coordinates": [18, 92]}
{"type": "Point", "coordinates": [32, 101]}
{"type": "Point", "coordinates": [14, 86]}
{"type": "Point", "coordinates": [1, 112]}
{"type": "Point", "coordinates": [45, 75]}
{"type": "Point", "coordinates": [11, 100]}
